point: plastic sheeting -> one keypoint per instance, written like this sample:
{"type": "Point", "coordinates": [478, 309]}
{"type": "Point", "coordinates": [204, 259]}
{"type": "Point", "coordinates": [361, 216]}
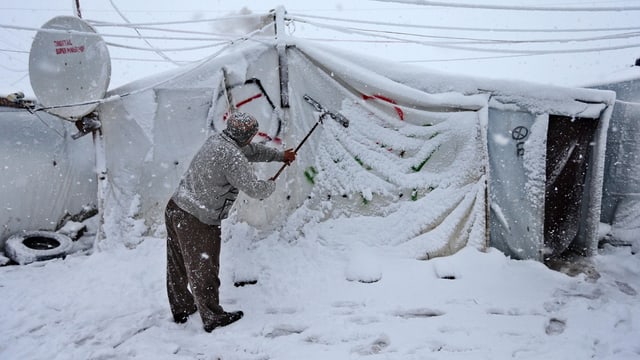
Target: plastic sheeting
{"type": "Point", "coordinates": [517, 167]}
{"type": "Point", "coordinates": [44, 173]}
{"type": "Point", "coordinates": [621, 194]}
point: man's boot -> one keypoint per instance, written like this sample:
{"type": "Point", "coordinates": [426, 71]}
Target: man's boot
{"type": "Point", "coordinates": [224, 319]}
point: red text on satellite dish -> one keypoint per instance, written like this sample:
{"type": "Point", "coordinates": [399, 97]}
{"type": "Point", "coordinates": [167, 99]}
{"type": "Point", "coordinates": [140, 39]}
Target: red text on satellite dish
{"type": "Point", "coordinates": [66, 47]}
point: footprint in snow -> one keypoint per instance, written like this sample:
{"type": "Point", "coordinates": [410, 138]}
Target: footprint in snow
{"type": "Point", "coordinates": [284, 330]}
{"type": "Point", "coordinates": [555, 326]}
{"type": "Point", "coordinates": [418, 313]}
{"type": "Point", "coordinates": [375, 347]}
{"type": "Point", "coordinates": [626, 288]}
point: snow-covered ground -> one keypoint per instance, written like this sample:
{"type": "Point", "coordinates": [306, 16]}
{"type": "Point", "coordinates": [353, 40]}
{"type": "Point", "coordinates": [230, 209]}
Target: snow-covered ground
{"type": "Point", "coordinates": [315, 299]}
{"type": "Point", "coordinates": [334, 292]}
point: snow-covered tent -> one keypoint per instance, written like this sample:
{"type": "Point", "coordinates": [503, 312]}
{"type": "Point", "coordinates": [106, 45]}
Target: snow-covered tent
{"type": "Point", "coordinates": [621, 193]}
{"type": "Point", "coordinates": [470, 161]}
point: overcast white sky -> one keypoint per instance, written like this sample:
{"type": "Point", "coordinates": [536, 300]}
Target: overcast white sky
{"type": "Point", "coordinates": [396, 43]}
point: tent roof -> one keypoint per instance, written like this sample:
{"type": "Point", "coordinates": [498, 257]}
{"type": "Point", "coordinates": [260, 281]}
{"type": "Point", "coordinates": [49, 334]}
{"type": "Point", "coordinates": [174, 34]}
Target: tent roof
{"type": "Point", "coordinates": [632, 73]}
{"type": "Point", "coordinates": [533, 97]}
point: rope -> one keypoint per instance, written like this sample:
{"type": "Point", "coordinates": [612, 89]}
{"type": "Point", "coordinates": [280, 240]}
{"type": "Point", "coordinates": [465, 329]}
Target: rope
{"type": "Point", "coordinates": [188, 48]}
{"type": "Point", "coordinates": [514, 8]}
{"type": "Point", "coordinates": [470, 48]}
{"type": "Point", "coordinates": [504, 41]}
{"type": "Point", "coordinates": [474, 44]}
{"type": "Point", "coordinates": [226, 18]}
{"type": "Point", "coordinates": [113, 58]}
{"type": "Point", "coordinates": [47, 125]}
{"type": "Point", "coordinates": [66, 32]}
{"type": "Point", "coordinates": [628, 102]}
{"type": "Point", "coordinates": [461, 28]}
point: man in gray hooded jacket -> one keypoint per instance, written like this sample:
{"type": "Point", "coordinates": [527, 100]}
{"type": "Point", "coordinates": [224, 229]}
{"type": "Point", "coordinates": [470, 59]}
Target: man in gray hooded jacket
{"type": "Point", "coordinates": [208, 189]}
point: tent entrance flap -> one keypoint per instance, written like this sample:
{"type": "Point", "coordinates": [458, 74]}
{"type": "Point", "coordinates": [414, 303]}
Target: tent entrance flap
{"type": "Point", "coordinates": [541, 184]}
{"type": "Point", "coordinates": [516, 182]}
{"type": "Point", "coordinates": [569, 149]}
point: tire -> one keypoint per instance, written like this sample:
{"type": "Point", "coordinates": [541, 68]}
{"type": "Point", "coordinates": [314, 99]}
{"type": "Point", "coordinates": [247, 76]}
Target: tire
{"type": "Point", "coordinates": [29, 246]}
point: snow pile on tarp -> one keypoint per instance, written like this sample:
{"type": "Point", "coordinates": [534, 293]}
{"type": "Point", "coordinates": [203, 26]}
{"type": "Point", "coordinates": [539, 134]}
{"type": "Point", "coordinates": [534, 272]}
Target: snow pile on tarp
{"type": "Point", "coordinates": [405, 156]}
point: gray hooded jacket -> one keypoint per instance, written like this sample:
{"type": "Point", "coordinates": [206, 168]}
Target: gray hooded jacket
{"type": "Point", "coordinates": [217, 172]}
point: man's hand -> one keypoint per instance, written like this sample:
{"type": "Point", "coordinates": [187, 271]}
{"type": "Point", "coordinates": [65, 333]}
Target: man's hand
{"type": "Point", "coordinates": [289, 156]}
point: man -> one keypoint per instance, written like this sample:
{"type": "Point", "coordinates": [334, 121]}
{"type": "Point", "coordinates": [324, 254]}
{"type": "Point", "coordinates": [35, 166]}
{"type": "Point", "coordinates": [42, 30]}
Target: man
{"type": "Point", "coordinates": [194, 214]}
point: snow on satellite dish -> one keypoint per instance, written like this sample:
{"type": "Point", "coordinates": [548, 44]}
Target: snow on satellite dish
{"type": "Point", "coordinates": [69, 64]}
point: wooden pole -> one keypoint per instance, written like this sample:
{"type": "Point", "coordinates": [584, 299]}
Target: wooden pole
{"type": "Point", "coordinates": [77, 5]}
{"type": "Point", "coordinates": [281, 47]}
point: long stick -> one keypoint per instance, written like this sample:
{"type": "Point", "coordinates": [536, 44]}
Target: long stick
{"type": "Point", "coordinates": [298, 147]}
{"type": "Point", "coordinates": [323, 112]}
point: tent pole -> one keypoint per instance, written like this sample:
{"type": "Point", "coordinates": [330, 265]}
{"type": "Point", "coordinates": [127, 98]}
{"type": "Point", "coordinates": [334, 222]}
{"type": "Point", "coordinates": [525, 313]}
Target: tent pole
{"type": "Point", "coordinates": [101, 163]}
{"type": "Point", "coordinates": [281, 48]}
{"type": "Point", "coordinates": [101, 171]}
{"type": "Point", "coordinates": [77, 8]}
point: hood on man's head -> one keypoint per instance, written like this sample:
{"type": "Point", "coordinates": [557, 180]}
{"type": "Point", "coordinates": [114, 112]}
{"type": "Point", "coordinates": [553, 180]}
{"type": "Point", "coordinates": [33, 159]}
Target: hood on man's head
{"type": "Point", "coordinates": [241, 127]}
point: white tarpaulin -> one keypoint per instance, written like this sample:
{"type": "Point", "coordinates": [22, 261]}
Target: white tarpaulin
{"type": "Point", "coordinates": [45, 174]}
{"type": "Point", "coordinates": [621, 193]}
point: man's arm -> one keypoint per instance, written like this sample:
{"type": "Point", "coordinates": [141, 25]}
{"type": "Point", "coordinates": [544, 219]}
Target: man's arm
{"type": "Point", "coordinates": [262, 153]}
{"type": "Point", "coordinates": [240, 175]}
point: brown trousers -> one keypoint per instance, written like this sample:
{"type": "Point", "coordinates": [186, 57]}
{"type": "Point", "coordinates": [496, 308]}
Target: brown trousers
{"type": "Point", "coordinates": [193, 261]}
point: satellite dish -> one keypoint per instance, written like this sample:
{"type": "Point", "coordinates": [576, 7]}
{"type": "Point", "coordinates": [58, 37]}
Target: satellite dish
{"type": "Point", "coordinates": [69, 64]}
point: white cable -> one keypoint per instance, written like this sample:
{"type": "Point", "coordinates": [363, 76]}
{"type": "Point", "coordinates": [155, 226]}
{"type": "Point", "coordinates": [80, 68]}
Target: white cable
{"type": "Point", "coordinates": [56, 31]}
{"type": "Point", "coordinates": [514, 8]}
{"type": "Point", "coordinates": [182, 62]}
{"type": "Point", "coordinates": [467, 58]}
{"type": "Point", "coordinates": [112, 58]}
{"type": "Point", "coordinates": [171, 30]}
{"type": "Point", "coordinates": [191, 47]}
{"type": "Point", "coordinates": [628, 103]}
{"type": "Point", "coordinates": [505, 41]}
{"type": "Point", "coordinates": [188, 48]}
{"type": "Point", "coordinates": [470, 48]}
{"type": "Point", "coordinates": [15, 51]}
{"type": "Point", "coordinates": [99, 23]}
{"type": "Point", "coordinates": [47, 125]}
{"type": "Point", "coordinates": [156, 50]}
{"type": "Point", "coordinates": [300, 17]}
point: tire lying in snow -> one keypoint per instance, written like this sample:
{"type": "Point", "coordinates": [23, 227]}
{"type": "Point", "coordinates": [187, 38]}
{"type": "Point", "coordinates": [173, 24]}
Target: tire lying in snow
{"type": "Point", "coordinates": [29, 246]}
